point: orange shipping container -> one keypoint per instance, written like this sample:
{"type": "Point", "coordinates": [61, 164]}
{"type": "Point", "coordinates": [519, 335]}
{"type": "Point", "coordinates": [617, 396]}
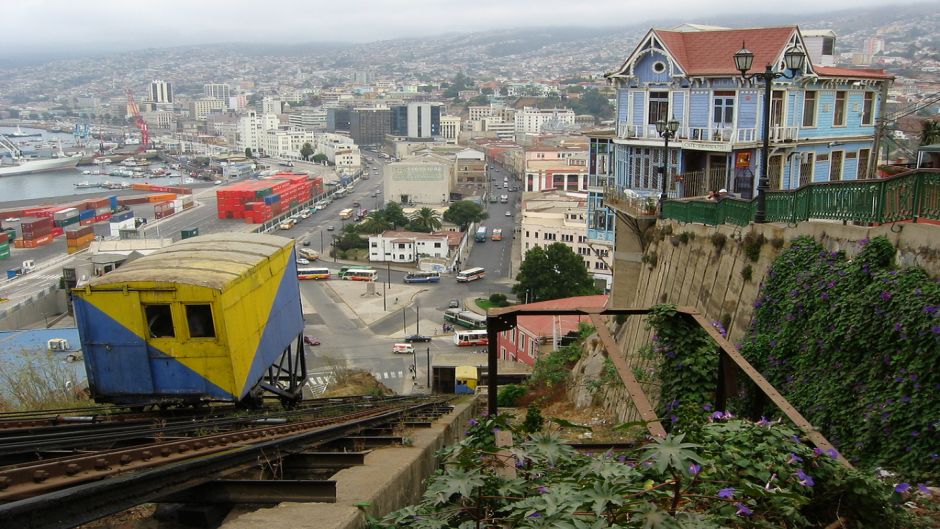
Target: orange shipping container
{"type": "Point", "coordinates": [161, 197]}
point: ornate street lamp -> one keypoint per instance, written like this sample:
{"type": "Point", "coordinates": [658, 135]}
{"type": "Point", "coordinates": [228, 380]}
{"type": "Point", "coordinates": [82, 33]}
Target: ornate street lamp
{"type": "Point", "coordinates": [666, 130]}
{"type": "Point", "coordinates": [793, 60]}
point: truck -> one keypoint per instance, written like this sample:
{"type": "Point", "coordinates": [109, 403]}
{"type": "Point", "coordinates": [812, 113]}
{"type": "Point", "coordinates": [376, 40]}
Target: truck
{"type": "Point", "coordinates": [480, 234]}
{"type": "Point", "coordinates": [27, 267]}
{"type": "Point", "coordinates": [346, 213]}
{"type": "Point", "coordinates": [287, 224]}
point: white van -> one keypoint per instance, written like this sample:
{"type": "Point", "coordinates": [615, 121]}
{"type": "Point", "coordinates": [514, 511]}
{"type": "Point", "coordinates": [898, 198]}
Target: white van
{"type": "Point", "coordinates": [403, 348]}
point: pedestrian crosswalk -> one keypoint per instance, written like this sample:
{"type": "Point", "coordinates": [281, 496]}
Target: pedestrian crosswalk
{"type": "Point", "coordinates": [386, 375]}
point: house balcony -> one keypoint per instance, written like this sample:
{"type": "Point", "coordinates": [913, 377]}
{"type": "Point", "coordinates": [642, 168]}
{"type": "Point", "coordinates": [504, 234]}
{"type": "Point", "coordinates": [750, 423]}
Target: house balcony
{"type": "Point", "coordinates": [722, 137]}
{"type": "Point", "coordinates": [599, 182]}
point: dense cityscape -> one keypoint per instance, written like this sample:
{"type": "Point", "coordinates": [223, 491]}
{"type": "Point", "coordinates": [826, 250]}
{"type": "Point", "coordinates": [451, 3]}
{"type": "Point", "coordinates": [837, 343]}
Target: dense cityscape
{"type": "Point", "coordinates": [695, 257]}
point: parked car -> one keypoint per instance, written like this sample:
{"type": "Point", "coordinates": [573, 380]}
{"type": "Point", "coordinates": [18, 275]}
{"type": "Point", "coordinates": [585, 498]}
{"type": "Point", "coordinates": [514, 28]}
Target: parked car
{"type": "Point", "coordinates": [310, 340]}
{"type": "Point", "coordinates": [508, 213]}
{"type": "Point", "coordinates": [417, 338]}
{"type": "Point", "coordinates": [330, 228]}
{"type": "Point", "coordinates": [303, 262]}
{"type": "Point", "coordinates": [454, 304]}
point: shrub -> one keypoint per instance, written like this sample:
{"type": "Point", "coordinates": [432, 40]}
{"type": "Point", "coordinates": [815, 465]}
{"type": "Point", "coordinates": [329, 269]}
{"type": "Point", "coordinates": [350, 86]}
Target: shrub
{"type": "Point", "coordinates": [650, 258]}
{"type": "Point", "coordinates": [533, 420]}
{"type": "Point", "coordinates": [718, 241]}
{"type": "Point", "coordinates": [498, 299]}
{"type": "Point", "coordinates": [752, 243]}
{"type": "Point", "coordinates": [509, 394]}
{"type": "Point", "coordinates": [685, 237]}
{"type": "Point", "coordinates": [746, 273]}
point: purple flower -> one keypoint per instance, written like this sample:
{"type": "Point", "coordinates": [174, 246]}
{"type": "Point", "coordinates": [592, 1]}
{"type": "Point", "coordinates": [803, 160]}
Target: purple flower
{"type": "Point", "coordinates": [534, 515]}
{"type": "Point", "coordinates": [496, 431]}
{"type": "Point", "coordinates": [742, 510]}
{"type": "Point", "coordinates": [474, 422]}
{"type": "Point", "coordinates": [817, 451]}
{"type": "Point", "coordinates": [727, 493]}
{"type": "Point", "coordinates": [885, 296]}
{"type": "Point", "coordinates": [931, 309]}
{"type": "Point", "coordinates": [833, 453]}
{"type": "Point", "coordinates": [935, 329]}
{"type": "Point", "coordinates": [717, 416]}
{"type": "Point", "coordinates": [707, 407]}
{"type": "Point", "coordinates": [695, 469]}
{"type": "Point", "coordinates": [793, 458]}
{"type": "Point", "coordinates": [543, 490]}
{"type": "Point", "coordinates": [923, 488]}
{"type": "Point", "coordinates": [898, 326]}
{"type": "Point", "coordinates": [795, 439]}
{"type": "Point", "coordinates": [622, 458]}
{"type": "Point", "coordinates": [520, 463]}
{"type": "Point", "coordinates": [763, 422]}
{"type": "Point", "coordinates": [727, 415]}
{"type": "Point", "coordinates": [901, 488]}
{"type": "Point", "coordinates": [804, 478]}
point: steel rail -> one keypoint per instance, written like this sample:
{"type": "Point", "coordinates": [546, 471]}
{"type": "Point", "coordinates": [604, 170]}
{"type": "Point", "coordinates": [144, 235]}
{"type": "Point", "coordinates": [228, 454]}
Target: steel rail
{"type": "Point", "coordinates": [90, 501]}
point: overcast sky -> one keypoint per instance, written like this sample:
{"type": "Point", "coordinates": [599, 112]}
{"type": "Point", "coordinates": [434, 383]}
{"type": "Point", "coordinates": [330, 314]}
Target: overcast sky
{"type": "Point", "coordinates": [60, 25]}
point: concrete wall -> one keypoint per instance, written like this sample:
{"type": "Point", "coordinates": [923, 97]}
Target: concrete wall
{"type": "Point", "coordinates": [695, 274]}
{"type": "Point", "coordinates": [390, 479]}
{"type": "Point", "coordinates": [39, 309]}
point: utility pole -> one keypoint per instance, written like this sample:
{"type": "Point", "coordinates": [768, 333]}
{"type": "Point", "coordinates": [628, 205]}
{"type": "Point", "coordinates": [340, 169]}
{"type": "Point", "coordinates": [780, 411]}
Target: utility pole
{"type": "Point", "coordinates": [429, 369]}
{"type": "Point", "coordinates": [417, 317]}
{"type": "Point", "coordinates": [384, 298]}
{"type": "Point", "coordinates": [404, 321]}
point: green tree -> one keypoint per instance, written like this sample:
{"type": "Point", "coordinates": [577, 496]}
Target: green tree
{"type": "Point", "coordinates": [394, 215]}
{"type": "Point", "coordinates": [248, 152]}
{"type": "Point", "coordinates": [320, 158]}
{"type": "Point", "coordinates": [552, 273]}
{"type": "Point", "coordinates": [375, 222]}
{"type": "Point", "coordinates": [426, 220]}
{"type": "Point", "coordinates": [929, 132]}
{"type": "Point", "coordinates": [464, 212]}
{"type": "Point", "coordinates": [460, 82]}
{"type": "Point", "coordinates": [306, 151]}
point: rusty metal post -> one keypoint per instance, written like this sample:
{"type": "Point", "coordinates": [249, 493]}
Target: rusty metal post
{"type": "Point", "coordinates": [492, 336]}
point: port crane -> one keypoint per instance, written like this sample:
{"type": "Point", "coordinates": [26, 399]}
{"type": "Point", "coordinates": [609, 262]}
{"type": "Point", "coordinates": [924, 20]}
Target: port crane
{"type": "Point", "coordinates": [139, 121]}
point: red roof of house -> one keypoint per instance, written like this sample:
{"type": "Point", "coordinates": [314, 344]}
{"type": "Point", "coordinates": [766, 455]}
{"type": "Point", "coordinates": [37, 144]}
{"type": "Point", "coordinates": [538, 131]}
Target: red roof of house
{"type": "Point", "coordinates": [861, 73]}
{"type": "Point", "coordinates": [542, 325]}
{"type": "Point", "coordinates": [712, 52]}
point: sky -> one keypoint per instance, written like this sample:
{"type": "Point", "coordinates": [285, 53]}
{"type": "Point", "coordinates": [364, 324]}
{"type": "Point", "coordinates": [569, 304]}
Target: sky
{"type": "Point", "coordinates": [31, 26]}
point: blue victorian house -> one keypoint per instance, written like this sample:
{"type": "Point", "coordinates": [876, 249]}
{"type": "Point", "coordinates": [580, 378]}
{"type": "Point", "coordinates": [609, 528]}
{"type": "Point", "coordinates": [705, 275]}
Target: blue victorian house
{"type": "Point", "coordinates": [821, 127]}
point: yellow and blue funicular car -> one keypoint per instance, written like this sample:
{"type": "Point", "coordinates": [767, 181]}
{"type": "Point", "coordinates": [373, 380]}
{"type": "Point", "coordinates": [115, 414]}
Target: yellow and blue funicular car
{"type": "Point", "coordinates": [212, 317]}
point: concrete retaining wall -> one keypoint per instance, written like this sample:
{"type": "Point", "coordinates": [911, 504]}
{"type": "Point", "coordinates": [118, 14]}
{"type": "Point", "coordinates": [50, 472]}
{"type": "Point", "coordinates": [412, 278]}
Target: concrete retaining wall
{"type": "Point", "coordinates": [391, 478]}
{"type": "Point", "coordinates": [698, 275]}
{"type": "Point", "coordinates": [41, 308]}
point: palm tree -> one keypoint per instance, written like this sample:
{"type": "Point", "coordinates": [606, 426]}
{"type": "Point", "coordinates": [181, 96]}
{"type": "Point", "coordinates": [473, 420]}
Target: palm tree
{"type": "Point", "coordinates": [375, 222]}
{"type": "Point", "coordinates": [929, 132]}
{"type": "Point", "coordinates": [427, 219]}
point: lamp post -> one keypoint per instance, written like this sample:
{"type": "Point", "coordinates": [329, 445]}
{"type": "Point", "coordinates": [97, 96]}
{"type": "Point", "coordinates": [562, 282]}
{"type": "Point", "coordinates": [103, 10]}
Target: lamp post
{"type": "Point", "coordinates": [793, 59]}
{"type": "Point", "coordinates": [667, 131]}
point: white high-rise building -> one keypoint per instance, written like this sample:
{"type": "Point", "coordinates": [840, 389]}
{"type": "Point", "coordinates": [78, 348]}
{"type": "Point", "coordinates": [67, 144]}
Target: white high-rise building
{"type": "Point", "coordinates": [216, 91]}
{"type": "Point", "coordinates": [251, 129]}
{"type": "Point", "coordinates": [530, 120]}
{"type": "Point", "coordinates": [271, 105]}
{"type": "Point", "coordinates": [161, 92]}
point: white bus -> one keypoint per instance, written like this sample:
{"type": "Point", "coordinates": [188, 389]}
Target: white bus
{"type": "Point", "coordinates": [313, 273]}
{"type": "Point", "coordinates": [360, 274]}
{"type": "Point", "coordinates": [423, 277]}
{"type": "Point", "coordinates": [471, 274]}
{"type": "Point", "coordinates": [468, 338]}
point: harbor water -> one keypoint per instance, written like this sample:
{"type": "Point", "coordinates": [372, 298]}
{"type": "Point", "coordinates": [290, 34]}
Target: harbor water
{"type": "Point", "coordinates": [61, 184]}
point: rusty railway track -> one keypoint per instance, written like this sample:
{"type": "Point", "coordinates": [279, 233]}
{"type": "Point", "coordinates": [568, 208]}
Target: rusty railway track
{"type": "Point", "coordinates": [80, 487]}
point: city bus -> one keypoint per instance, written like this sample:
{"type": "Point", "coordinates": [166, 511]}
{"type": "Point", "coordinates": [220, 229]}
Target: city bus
{"type": "Point", "coordinates": [465, 318]}
{"type": "Point", "coordinates": [359, 274]}
{"type": "Point", "coordinates": [345, 268]}
{"type": "Point", "coordinates": [423, 277]}
{"type": "Point", "coordinates": [468, 338]}
{"type": "Point", "coordinates": [497, 234]}
{"type": "Point", "coordinates": [313, 273]}
{"type": "Point", "coordinates": [481, 234]}
{"type": "Point", "coordinates": [471, 274]}
{"type": "Point", "coordinates": [346, 213]}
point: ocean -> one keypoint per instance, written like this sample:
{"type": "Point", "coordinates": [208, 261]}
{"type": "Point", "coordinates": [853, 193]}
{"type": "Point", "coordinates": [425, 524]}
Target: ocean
{"type": "Point", "coordinates": [59, 183]}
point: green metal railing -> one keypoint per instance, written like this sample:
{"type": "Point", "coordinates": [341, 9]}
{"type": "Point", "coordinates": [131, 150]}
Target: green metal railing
{"type": "Point", "coordinates": [909, 196]}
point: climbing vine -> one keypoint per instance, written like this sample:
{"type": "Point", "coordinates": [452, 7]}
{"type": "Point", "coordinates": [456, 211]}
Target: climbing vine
{"type": "Point", "coordinates": [854, 344]}
{"type": "Point", "coordinates": [687, 364]}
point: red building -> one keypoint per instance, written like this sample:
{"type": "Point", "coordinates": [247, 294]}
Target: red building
{"type": "Point", "coordinates": [533, 335]}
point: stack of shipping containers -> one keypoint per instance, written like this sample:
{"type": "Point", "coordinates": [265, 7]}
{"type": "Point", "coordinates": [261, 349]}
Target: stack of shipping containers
{"type": "Point", "coordinates": [4, 244]}
{"type": "Point", "coordinates": [34, 232]}
{"type": "Point", "coordinates": [259, 201]}
{"type": "Point", "coordinates": [78, 237]}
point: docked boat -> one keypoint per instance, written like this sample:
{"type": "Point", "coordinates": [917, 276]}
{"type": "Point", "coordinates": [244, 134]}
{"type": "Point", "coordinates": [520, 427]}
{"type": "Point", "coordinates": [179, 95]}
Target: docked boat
{"type": "Point", "coordinates": [18, 133]}
{"type": "Point", "coordinates": [86, 185]}
{"type": "Point", "coordinates": [38, 165]}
